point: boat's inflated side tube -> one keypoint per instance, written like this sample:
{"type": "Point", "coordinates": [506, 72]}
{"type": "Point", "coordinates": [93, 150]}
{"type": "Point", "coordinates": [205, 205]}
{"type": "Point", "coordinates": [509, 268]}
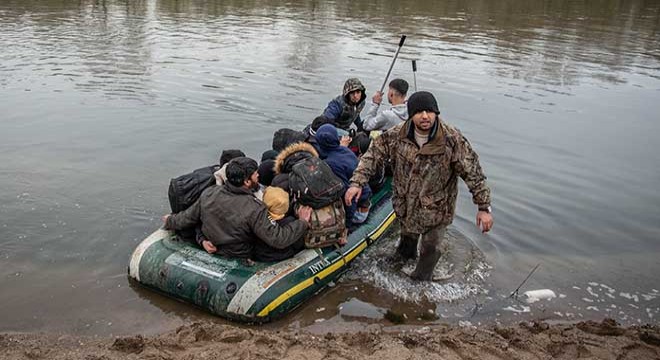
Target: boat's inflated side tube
{"type": "Point", "coordinates": [258, 293]}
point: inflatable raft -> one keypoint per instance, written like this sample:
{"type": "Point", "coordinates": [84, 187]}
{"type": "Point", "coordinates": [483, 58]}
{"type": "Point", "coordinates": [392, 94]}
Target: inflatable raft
{"type": "Point", "coordinates": [257, 293]}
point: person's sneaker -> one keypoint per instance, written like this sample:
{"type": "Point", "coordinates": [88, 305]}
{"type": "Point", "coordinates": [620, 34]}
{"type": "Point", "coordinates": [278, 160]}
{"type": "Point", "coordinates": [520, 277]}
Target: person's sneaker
{"type": "Point", "coordinates": [360, 216]}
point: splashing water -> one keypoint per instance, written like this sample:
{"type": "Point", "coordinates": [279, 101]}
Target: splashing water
{"type": "Point", "coordinates": [462, 265]}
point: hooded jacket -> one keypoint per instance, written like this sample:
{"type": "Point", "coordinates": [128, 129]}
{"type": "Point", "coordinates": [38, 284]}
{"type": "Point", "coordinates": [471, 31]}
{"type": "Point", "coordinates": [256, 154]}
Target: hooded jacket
{"type": "Point", "coordinates": [341, 111]}
{"type": "Point", "coordinates": [233, 219]}
{"type": "Point", "coordinates": [221, 175]}
{"type": "Point", "coordinates": [341, 159]}
{"type": "Point", "coordinates": [386, 119]}
{"type": "Point", "coordinates": [425, 184]}
{"type": "Point", "coordinates": [287, 158]}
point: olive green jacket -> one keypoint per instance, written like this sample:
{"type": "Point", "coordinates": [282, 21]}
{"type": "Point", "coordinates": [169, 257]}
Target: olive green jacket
{"type": "Point", "coordinates": [425, 183]}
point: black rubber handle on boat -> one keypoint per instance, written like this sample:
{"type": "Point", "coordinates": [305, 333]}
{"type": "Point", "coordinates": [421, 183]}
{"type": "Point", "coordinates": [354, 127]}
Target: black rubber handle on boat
{"type": "Point", "coordinates": [396, 54]}
{"type": "Point", "coordinates": [414, 65]}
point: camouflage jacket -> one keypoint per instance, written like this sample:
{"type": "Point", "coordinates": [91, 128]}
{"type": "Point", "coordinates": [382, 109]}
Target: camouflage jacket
{"type": "Point", "coordinates": [425, 183]}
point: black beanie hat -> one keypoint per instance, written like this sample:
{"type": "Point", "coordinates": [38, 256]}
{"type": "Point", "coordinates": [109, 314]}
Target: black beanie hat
{"type": "Point", "coordinates": [420, 101]}
{"type": "Point", "coordinates": [269, 155]}
{"type": "Point", "coordinates": [320, 121]}
{"type": "Point", "coordinates": [227, 155]}
{"type": "Point", "coordinates": [266, 172]}
{"type": "Point", "coordinates": [285, 137]}
{"type": "Point", "coordinates": [240, 169]}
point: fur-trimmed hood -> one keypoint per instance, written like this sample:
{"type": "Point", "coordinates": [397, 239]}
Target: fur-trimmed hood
{"type": "Point", "coordinates": [291, 155]}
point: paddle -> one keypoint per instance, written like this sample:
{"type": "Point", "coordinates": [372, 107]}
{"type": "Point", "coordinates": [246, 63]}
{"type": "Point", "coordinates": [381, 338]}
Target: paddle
{"type": "Point", "coordinates": [414, 64]}
{"type": "Point", "coordinates": [403, 38]}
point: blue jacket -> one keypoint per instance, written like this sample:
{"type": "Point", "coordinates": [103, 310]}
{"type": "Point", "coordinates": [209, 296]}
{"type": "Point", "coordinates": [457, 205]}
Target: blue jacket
{"type": "Point", "coordinates": [344, 114]}
{"type": "Point", "coordinates": [343, 163]}
{"type": "Point", "coordinates": [341, 159]}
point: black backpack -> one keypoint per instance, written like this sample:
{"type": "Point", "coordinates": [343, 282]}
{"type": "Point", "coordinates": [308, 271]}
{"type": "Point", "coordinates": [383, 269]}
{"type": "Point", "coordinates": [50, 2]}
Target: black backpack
{"type": "Point", "coordinates": [312, 183]}
{"type": "Point", "coordinates": [186, 189]}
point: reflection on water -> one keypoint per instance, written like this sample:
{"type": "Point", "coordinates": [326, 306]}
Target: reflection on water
{"type": "Point", "coordinates": [103, 101]}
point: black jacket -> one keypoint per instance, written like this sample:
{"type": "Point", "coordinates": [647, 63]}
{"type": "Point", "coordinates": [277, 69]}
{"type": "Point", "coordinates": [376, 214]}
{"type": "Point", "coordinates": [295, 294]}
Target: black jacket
{"type": "Point", "coordinates": [232, 219]}
{"type": "Point", "coordinates": [288, 157]}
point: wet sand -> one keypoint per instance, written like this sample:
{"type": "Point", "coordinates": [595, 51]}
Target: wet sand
{"type": "Point", "coordinates": [204, 340]}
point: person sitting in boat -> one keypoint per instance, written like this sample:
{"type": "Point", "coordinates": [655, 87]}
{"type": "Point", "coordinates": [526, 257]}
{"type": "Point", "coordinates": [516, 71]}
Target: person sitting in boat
{"type": "Point", "coordinates": [281, 139]}
{"type": "Point", "coordinates": [266, 172]}
{"type": "Point", "coordinates": [289, 157]}
{"type": "Point", "coordinates": [343, 162]}
{"type": "Point", "coordinates": [232, 218]}
{"type": "Point", "coordinates": [310, 130]}
{"type": "Point", "coordinates": [225, 158]}
{"type": "Point", "coordinates": [344, 110]}
{"type": "Point", "coordinates": [277, 202]}
{"type": "Point", "coordinates": [387, 119]}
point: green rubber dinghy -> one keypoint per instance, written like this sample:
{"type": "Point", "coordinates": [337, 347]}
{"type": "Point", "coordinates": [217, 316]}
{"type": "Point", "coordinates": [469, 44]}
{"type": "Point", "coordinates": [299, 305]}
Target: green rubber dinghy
{"type": "Point", "coordinates": [258, 293]}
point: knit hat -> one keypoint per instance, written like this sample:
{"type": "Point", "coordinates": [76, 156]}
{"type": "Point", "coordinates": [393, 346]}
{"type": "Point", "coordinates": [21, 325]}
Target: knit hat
{"type": "Point", "coordinates": [277, 202]}
{"type": "Point", "coordinates": [421, 101]}
{"type": "Point", "coordinates": [285, 137]}
{"type": "Point", "coordinates": [318, 122]}
{"type": "Point", "coordinates": [227, 155]}
{"type": "Point", "coordinates": [266, 172]}
{"type": "Point", "coordinates": [269, 155]}
{"type": "Point", "coordinates": [240, 169]}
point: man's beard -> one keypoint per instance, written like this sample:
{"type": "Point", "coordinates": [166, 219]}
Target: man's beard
{"type": "Point", "coordinates": [254, 187]}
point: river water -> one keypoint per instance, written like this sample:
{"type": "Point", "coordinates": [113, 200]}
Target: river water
{"type": "Point", "coordinates": [104, 101]}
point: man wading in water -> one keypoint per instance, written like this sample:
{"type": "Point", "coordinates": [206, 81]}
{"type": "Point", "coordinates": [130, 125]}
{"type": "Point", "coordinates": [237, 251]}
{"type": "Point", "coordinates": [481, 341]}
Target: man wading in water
{"type": "Point", "coordinates": [427, 157]}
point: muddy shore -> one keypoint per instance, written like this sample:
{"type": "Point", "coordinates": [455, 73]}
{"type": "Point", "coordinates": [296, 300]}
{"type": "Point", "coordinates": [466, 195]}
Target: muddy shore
{"type": "Point", "coordinates": [204, 340]}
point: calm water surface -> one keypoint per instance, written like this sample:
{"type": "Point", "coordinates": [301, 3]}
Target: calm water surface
{"type": "Point", "coordinates": [104, 101]}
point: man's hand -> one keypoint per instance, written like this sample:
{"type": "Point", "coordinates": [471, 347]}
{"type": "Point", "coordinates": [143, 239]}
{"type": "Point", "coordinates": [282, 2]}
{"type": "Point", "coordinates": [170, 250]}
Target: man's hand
{"type": "Point", "coordinates": [353, 192]}
{"type": "Point", "coordinates": [164, 218]}
{"type": "Point", "coordinates": [305, 213]}
{"type": "Point", "coordinates": [209, 247]}
{"type": "Point", "coordinates": [484, 221]}
{"type": "Point", "coordinates": [345, 140]}
{"type": "Point", "coordinates": [377, 98]}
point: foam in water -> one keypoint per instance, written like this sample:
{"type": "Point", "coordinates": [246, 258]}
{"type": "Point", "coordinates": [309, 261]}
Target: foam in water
{"type": "Point", "coordinates": [518, 309]}
{"type": "Point", "coordinates": [462, 263]}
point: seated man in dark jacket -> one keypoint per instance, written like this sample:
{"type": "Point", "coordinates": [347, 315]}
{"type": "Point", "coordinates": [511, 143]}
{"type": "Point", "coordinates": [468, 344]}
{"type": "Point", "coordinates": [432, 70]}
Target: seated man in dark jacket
{"type": "Point", "coordinates": [233, 219]}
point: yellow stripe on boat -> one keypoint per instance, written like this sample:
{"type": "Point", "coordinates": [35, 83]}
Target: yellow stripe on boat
{"type": "Point", "coordinates": [329, 270]}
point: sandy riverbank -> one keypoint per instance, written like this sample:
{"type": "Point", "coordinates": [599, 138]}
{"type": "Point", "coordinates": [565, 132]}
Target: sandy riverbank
{"type": "Point", "coordinates": [585, 340]}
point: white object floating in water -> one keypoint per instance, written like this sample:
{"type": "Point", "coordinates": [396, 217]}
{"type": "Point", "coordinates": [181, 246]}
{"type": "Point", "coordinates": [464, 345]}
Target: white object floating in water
{"type": "Point", "coordinates": [522, 309]}
{"type": "Point", "coordinates": [536, 295]}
